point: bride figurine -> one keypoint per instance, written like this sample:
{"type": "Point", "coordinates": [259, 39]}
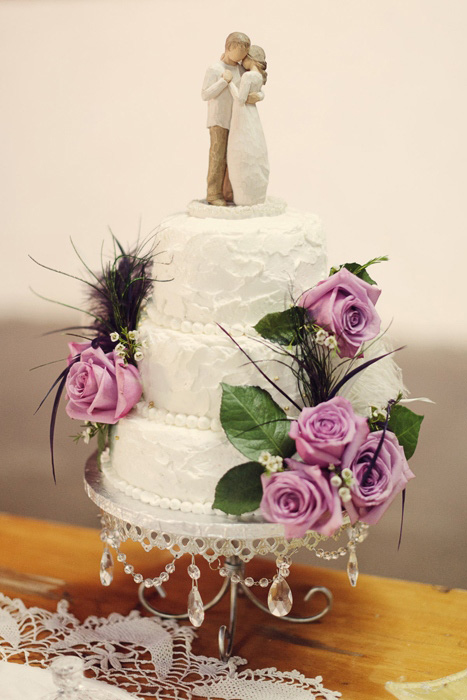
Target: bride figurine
{"type": "Point", "coordinates": [247, 155]}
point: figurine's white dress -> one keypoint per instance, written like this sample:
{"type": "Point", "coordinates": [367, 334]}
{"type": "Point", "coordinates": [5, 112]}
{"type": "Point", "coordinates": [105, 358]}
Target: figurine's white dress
{"type": "Point", "coordinates": [247, 155]}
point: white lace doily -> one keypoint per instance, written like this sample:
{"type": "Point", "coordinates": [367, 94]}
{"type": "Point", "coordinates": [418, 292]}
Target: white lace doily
{"type": "Point", "coordinates": [145, 656]}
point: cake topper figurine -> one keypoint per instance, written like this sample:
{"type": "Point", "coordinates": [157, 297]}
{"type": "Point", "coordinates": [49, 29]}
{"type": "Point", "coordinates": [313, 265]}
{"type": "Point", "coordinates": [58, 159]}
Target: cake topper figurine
{"type": "Point", "coordinates": [238, 161]}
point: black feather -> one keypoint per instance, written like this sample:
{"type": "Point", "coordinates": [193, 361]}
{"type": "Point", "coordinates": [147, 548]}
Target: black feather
{"type": "Point", "coordinates": [53, 419]}
{"type": "Point", "coordinates": [125, 283]}
{"type": "Point", "coordinates": [360, 368]}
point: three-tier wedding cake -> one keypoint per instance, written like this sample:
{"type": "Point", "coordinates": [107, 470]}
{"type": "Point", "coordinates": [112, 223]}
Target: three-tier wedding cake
{"type": "Point", "coordinates": [227, 273]}
{"type": "Point", "coordinates": [251, 349]}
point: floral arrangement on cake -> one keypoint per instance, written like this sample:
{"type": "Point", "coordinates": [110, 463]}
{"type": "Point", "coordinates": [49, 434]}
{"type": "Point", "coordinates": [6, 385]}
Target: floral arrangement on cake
{"type": "Point", "coordinates": [306, 472]}
{"type": "Point", "coordinates": [101, 380]}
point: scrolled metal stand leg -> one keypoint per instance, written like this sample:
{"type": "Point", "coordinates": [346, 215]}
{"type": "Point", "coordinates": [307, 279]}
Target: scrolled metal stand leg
{"type": "Point", "coordinates": [177, 616]}
{"type": "Point", "coordinates": [289, 618]}
{"type": "Point", "coordinates": [226, 636]}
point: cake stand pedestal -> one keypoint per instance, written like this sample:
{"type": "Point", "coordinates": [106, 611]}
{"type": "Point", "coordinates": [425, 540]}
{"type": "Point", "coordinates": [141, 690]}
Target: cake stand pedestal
{"type": "Point", "coordinates": [216, 538]}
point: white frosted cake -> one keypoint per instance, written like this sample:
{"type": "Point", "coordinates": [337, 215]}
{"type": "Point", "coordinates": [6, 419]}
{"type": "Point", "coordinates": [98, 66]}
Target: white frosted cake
{"type": "Point", "coordinates": [230, 272]}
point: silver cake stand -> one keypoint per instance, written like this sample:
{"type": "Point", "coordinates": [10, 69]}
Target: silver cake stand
{"type": "Point", "coordinates": [217, 538]}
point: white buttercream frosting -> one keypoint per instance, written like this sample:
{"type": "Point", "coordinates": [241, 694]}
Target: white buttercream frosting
{"type": "Point", "coordinates": [236, 271]}
{"type": "Point", "coordinates": [273, 206]}
{"type": "Point", "coordinates": [223, 272]}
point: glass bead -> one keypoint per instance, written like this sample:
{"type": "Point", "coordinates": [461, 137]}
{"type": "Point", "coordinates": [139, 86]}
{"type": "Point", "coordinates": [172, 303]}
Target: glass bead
{"type": "Point", "coordinates": [148, 582]}
{"type": "Point", "coordinates": [170, 568]}
{"type": "Point", "coordinates": [121, 557]}
{"type": "Point", "coordinates": [263, 582]}
{"type": "Point", "coordinates": [113, 538]}
{"type": "Point", "coordinates": [128, 569]}
{"type": "Point", "coordinates": [223, 572]}
{"type": "Point", "coordinates": [235, 578]}
{"type": "Point", "coordinates": [284, 571]}
{"type": "Point", "coordinates": [164, 576]}
{"type": "Point", "coordinates": [193, 572]}
{"type": "Point", "coordinates": [156, 581]}
{"type": "Point", "coordinates": [249, 581]}
{"type": "Point", "coordinates": [103, 535]}
{"type": "Point", "coordinates": [137, 578]}
{"type": "Point", "coordinates": [283, 559]}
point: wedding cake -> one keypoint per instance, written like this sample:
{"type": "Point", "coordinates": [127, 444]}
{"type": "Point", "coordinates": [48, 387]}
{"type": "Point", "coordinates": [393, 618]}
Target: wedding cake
{"type": "Point", "coordinates": [248, 348]}
{"type": "Point", "coordinates": [226, 273]}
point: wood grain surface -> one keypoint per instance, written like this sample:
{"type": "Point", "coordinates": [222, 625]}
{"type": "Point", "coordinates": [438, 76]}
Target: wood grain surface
{"type": "Point", "coordinates": [384, 629]}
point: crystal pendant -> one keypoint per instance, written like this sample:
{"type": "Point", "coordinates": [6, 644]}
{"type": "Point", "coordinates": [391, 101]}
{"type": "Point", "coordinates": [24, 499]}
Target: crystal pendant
{"type": "Point", "coordinates": [195, 608]}
{"type": "Point", "coordinates": [107, 568]}
{"type": "Point", "coordinates": [280, 597]}
{"type": "Point", "coordinates": [352, 568]}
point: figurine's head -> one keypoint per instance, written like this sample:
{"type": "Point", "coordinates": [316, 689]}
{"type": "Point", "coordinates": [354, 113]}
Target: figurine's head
{"type": "Point", "coordinates": [236, 46]}
{"type": "Point", "coordinates": [256, 57]}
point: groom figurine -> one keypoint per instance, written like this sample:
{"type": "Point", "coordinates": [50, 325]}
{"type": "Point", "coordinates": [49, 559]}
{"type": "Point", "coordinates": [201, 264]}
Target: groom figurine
{"type": "Point", "coordinates": [215, 91]}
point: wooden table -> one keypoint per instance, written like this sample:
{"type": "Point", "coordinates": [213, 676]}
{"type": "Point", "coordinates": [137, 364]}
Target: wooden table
{"type": "Point", "coordinates": [381, 630]}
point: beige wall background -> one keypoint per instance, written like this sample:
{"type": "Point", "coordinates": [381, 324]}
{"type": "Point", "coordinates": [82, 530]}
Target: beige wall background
{"type": "Point", "coordinates": [101, 124]}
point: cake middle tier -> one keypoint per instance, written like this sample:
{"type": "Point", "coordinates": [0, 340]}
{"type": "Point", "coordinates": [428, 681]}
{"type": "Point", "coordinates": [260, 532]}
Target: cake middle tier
{"type": "Point", "coordinates": [182, 371]}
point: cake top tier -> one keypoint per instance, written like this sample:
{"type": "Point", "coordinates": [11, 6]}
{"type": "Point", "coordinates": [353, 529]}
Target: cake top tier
{"type": "Point", "coordinates": [232, 271]}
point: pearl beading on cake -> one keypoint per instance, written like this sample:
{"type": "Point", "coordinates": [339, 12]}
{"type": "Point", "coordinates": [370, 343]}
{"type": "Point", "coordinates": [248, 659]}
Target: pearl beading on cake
{"type": "Point", "coordinates": [176, 324]}
{"type": "Point", "coordinates": [153, 499]}
{"type": "Point", "coordinates": [181, 420]}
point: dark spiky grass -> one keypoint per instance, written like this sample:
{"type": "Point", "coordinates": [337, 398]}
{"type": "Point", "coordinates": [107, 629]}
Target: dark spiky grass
{"type": "Point", "coordinates": [116, 296]}
{"type": "Point", "coordinates": [311, 362]}
{"type": "Point", "coordinates": [117, 292]}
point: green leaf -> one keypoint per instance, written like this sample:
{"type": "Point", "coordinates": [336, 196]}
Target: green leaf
{"type": "Point", "coordinates": [240, 490]}
{"type": "Point", "coordinates": [360, 270]}
{"type": "Point", "coordinates": [253, 422]}
{"type": "Point", "coordinates": [281, 326]}
{"type": "Point", "coordinates": [406, 426]}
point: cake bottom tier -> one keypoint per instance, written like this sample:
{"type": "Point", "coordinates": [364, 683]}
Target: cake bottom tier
{"type": "Point", "coordinates": [170, 466]}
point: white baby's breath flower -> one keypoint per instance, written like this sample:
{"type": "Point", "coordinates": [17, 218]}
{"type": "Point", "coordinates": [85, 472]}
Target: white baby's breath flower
{"type": "Point", "coordinates": [331, 342]}
{"type": "Point", "coordinates": [138, 355]}
{"type": "Point", "coordinates": [321, 336]}
{"type": "Point", "coordinates": [336, 480]}
{"type": "Point", "coordinates": [264, 457]}
{"type": "Point", "coordinates": [144, 344]}
{"type": "Point", "coordinates": [114, 337]}
{"type": "Point", "coordinates": [345, 494]}
{"type": "Point", "coordinates": [86, 435]}
{"type": "Point", "coordinates": [120, 348]}
{"type": "Point", "coordinates": [275, 465]}
{"type": "Point", "coordinates": [133, 335]}
{"type": "Point", "coordinates": [272, 463]}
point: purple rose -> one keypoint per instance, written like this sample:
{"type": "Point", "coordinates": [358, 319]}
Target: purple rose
{"type": "Point", "coordinates": [301, 500]}
{"type": "Point", "coordinates": [323, 433]}
{"type": "Point", "coordinates": [101, 388]}
{"type": "Point", "coordinates": [374, 490]}
{"type": "Point", "coordinates": [77, 349]}
{"type": "Point", "coordinates": [343, 304]}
